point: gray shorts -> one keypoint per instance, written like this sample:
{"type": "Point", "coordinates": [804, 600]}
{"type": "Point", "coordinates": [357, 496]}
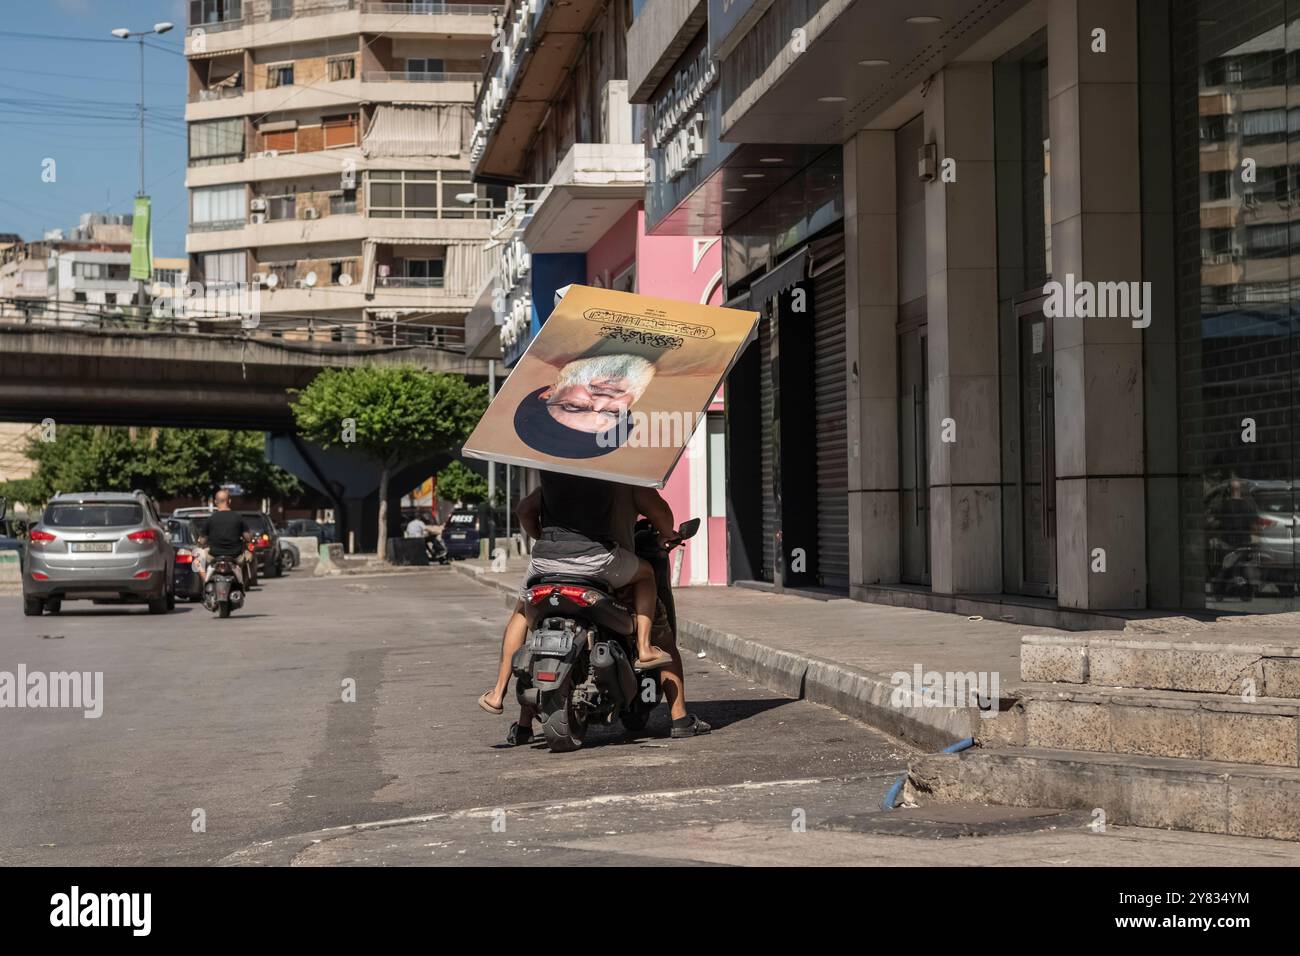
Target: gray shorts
{"type": "Point", "coordinates": [617, 567]}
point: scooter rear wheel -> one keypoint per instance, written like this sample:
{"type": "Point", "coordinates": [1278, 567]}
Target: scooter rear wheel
{"type": "Point", "coordinates": [564, 730]}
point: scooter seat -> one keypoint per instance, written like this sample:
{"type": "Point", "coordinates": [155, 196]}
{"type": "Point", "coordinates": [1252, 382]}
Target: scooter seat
{"type": "Point", "coordinates": [598, 584]}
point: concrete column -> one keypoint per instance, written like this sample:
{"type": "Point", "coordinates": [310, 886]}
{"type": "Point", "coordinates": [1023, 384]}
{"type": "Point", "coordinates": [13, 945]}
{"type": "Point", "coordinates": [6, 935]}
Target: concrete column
{"type": "Point", "coordinates": [962, 307]}
{"type": "Point", "coordinates": [1097, 237]}
{"type": "Point", "coordinates": [871, 300]}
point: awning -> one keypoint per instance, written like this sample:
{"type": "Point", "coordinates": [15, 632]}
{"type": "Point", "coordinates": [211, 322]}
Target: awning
{"type": "Point", "coordinates": [418, 130]}
{"type": "Point", "coordinates": [213, 55]}
{"type": "Point", "coordinates": [769, 285]}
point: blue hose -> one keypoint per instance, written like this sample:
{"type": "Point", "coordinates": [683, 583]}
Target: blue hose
{"type": "Point", "coordinates": [891, 798]}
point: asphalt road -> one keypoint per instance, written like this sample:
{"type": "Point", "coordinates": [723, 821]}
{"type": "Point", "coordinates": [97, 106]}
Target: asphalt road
{"type": "Point", "coordinates": [241, 724]}
{"type": "Point", "coordinates": [244, 720]}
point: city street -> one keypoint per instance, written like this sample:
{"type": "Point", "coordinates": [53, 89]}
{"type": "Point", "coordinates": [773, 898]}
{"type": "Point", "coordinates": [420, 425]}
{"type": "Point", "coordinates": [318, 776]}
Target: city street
{"type": "Point", "coordinates": [244, 720]}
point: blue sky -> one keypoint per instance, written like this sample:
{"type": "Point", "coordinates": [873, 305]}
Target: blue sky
{"type": "Point", "coordinates": [74, 102]}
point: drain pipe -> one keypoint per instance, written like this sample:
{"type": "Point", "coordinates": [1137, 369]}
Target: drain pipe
{"type": "Point", "coordinates": [891, 798]}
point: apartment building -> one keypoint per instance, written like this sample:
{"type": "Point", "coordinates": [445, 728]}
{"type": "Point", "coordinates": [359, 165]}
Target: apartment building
{"type": "Point", "coordinates": [329, 164]}
{"type": "Point", "coordinates": [73, 275]}
{"type": "Point", "coordinates": [553, 121]}
{"type": "Point", "coordinates": [959, 196]}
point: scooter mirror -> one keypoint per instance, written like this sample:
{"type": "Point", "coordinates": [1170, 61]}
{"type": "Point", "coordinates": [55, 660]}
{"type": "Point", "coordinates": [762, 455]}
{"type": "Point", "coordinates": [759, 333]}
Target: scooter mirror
{"type": "Point", "coordinates": [688, 528]}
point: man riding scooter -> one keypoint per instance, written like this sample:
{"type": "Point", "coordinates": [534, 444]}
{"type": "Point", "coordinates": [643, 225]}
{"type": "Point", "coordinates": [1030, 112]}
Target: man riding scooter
{"type": "Point", "coordinates": [608, 512]}
{"type": "Point", "coordinates": [226, 534]}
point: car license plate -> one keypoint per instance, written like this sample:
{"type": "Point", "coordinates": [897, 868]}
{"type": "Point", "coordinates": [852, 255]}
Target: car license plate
{"type": "Point", "coordinates": [457, 537]}
{"type": "Point", "coordinates": [92, 546]}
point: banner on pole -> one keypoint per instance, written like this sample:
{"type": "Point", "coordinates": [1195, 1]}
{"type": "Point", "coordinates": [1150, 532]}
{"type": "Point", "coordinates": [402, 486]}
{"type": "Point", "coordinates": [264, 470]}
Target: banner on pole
{"type": "Point", "coordinates": [142, 241]}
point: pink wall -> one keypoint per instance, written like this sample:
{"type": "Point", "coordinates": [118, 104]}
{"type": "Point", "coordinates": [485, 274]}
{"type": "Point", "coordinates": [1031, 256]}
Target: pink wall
{"type": "Point", "coordinates": [671, 267]}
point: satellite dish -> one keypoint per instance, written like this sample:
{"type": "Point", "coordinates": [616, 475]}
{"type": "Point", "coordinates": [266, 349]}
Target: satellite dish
{"type": "Point", "coordinates": [309, 279]}
{"type": "Point", "coordinates": [345, 279]}
{"type": "Point", "coordinates": [272, 281]}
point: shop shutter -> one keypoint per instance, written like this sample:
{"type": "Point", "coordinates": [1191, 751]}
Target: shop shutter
{"type": "Point", "coordinates": [766, 450]}
{"type": "Point", "coordinates": [829, 388]}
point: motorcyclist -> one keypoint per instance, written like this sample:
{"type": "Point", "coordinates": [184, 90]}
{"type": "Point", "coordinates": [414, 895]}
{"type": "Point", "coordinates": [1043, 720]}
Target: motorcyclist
{"type": "Point", "coordinates": [625, 503]}
{"type": "Point", "coordinates": [225, 534]}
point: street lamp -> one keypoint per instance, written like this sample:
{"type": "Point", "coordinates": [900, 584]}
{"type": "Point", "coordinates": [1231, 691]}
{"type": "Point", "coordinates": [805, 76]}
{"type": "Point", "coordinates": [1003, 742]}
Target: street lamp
{"type": "Point", "coordinates": [122, 33]}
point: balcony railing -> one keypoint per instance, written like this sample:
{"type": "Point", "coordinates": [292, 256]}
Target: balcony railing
{"type": "Point", "coordinates": [409, 282]}
{"type": "Point", "coordinates": [441, 9]}
{"type": "Point", "coordinates": [217, 225]}
{"type": "Point", "coordinates": [269, 10]}
{"type": "Point", "coordinates": [404, 76]}
{"type": "Point", "coordinates": [216, 93]}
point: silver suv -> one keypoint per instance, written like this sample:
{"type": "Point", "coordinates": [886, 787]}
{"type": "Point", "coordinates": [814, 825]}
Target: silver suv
{"type": "Point", "coordinates": [101, 546]}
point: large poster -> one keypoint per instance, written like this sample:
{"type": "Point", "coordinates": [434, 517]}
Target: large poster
{"type": "Point", "coordinates": [613, 386]}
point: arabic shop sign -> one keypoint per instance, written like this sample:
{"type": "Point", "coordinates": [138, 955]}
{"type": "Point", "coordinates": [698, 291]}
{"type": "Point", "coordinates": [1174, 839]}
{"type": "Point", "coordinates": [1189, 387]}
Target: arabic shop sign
{"type": "Point", "coordinates": [677, 124]}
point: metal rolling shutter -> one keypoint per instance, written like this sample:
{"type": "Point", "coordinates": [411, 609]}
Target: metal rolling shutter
{"type": "Point", "coordinates": [766, 452]}
{"type": "Point", "coordinates": [830, 383]}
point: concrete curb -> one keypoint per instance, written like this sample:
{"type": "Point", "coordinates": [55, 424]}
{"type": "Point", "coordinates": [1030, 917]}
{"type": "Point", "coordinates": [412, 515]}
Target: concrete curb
{"type": "Point", "coordinates": [849, 690]}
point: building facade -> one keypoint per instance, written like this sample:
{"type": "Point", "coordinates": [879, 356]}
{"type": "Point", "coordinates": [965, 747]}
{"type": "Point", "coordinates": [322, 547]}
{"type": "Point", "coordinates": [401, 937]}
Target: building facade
{"type": "Point", "coordinates": [329, 164]}
{"type": "Point", "coordinates": [1029, 265]}
{"type": "Point", "coordinates": [76, 276]}
{"type": "Point", "coordinates": [554, 123]}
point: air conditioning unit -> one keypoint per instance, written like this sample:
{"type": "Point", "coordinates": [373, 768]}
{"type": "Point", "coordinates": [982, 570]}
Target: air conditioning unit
{"type": "Point", "coordinates": [258, 205]}
{"type": "Point", "coordinates": [257, 218]}
{"type": "Point", "coordinates": [267, 154]}
{"type": "Point", "coordinates": [259, 278]}
{"type": "Point", "coordinates": [311, 213]}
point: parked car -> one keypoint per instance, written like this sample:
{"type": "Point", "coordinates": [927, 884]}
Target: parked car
{"type": "Point", "coordinates": [266, 543]}
{"type": "Point", "coordinates": [187, 580]}
{"type": "Point", "coordinates": [101, 546]}
{"type": "Point", "coordinates": [290, 556]}
{"type": "Point", "coordinates": [305, 528]}
{"type": "Point", "coordinates": [461, 533]}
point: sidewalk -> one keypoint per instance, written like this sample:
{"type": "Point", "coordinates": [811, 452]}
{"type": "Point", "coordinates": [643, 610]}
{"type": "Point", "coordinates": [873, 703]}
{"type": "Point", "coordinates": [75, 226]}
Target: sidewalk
{"type": "Point", "coordinates": [839, 653]}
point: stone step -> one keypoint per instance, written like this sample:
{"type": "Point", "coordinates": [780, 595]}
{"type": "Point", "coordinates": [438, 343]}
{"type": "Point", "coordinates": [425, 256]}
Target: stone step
{"type": "Point", "coordinates": [1225, 667]}
{"type": "Point", "coordinates": [1203, 796]}
{"type": "Point", "coordinates": [1213, 727]}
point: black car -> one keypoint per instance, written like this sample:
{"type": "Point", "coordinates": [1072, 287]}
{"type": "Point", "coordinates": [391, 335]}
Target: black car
{"type": "Point", "coordinates": [187, 583]}
{"type": "Point", "coordinates": [266, 543]}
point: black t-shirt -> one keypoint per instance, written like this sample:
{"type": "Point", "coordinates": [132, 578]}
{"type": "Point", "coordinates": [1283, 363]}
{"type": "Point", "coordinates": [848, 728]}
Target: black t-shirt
{"type": "Point", "coordinates": [224, 531]}
{"type": "Point", "coordinates": [579, 509]}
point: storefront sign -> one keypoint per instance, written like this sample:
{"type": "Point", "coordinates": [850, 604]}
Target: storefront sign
{"type": "Point", "coordinates": [678, 125]}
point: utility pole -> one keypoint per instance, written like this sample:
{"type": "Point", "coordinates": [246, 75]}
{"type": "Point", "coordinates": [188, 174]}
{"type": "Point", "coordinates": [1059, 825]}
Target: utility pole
{"type": "Point", "coordinates": [123, 33]}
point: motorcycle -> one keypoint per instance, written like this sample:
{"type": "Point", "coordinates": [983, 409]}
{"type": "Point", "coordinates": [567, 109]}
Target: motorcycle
{"type": "Point", "coordinates": [576, 665]}
{"type": "Point", "coordinates": [223, 592]}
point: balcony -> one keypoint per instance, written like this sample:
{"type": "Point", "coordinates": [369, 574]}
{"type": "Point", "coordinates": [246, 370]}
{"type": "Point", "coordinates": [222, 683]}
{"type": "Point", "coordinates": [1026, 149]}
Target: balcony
{"type": "Point", "coordinates": [406, 76]}
{"type": "Point", "coordinates": [216, 93]}
{"type": "Point", "coordinates": [266, 22]}
{"type": "Point", "coordinates": [409, 282]}
{"type": "Point", "coordinates": [541, 41]}
{"type": "Point", "coordinates": [336, 228]}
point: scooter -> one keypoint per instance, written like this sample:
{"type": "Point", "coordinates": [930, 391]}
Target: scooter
{"type": "Point", "coordinates": [576, 665]}
{"type": "Point", "coordinates": [223, 591]}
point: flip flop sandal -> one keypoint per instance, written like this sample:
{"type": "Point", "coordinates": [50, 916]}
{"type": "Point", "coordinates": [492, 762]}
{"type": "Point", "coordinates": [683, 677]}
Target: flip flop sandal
{"type": "Point", "coordinates": [654, 663]}
{"type": "Point", "coordinates": [518, 736]}
{"type": "Point", "coordinates": [494, 711]}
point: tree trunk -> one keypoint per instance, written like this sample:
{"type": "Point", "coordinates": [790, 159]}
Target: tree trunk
{"type": "Point", "coordinates": [383, 513]}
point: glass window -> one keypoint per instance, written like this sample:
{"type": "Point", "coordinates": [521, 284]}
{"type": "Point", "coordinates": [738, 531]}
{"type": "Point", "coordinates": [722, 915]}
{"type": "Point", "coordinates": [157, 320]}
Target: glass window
{"type": "Point", "coordinates": [212, 204]}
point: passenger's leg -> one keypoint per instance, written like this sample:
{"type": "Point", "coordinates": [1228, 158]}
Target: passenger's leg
{"type": "Point", "coordinates": [515, 633]}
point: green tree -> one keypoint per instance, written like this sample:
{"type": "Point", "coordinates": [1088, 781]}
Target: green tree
{"type": "Point", "coordinates": [162, 462]}
{"type": "Point", "coordinates": [457, 482]}
{"type": "Point", "coordinates": [393, 415]}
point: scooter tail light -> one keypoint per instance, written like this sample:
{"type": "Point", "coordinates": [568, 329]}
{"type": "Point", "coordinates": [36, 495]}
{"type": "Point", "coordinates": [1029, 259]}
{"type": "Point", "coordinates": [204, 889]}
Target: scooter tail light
{"type": "Point", "coordinates": [579, 595]}
{"type": "Point", "coordinates": [546, 675]}
{"type": "Point", "coordinates": [539, 594]}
